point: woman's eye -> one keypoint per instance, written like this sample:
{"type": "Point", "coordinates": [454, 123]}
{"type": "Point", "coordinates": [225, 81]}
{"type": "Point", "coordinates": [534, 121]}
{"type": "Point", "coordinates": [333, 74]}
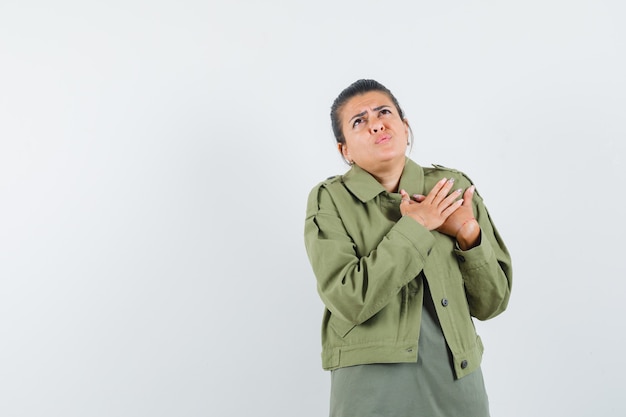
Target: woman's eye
{"type": "Point", "coordinates": [385, 111]}
{"type": "Point", "coordinates": [356, 122]}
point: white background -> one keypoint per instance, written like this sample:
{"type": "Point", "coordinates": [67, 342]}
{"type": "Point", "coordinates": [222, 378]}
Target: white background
{"type": "Point", "coordinates": [155, 159]}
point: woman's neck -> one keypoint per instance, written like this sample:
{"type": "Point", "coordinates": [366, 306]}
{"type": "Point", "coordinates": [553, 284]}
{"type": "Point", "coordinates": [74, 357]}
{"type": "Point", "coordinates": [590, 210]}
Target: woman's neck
{"type": "Point", "coordinates": [390, 178]}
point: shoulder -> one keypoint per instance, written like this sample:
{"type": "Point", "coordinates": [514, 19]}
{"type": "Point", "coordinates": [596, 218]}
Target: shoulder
{"type": "Point", "coordinates": [461, 179]}
{"type": "Point", "coordinates": [330, 182]}
{"type": "Point", "coordinates": [322, 189]}
{"type": "Point", "coordinates": [441, 168]}
{"type": "Point", "coordinates": [440, 171]}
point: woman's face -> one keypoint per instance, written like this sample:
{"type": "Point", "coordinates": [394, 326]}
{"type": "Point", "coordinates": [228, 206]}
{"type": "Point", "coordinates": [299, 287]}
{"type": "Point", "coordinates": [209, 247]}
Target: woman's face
{"type": "Point", "coordinates": [376, 136]}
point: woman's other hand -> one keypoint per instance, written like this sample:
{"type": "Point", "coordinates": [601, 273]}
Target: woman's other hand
{"type": "Point", "coordinates": [432, 210]}
{"type": "Point", "coordinates": [462, 224]}
{"type": "Point", "coordinates": [457, 218]}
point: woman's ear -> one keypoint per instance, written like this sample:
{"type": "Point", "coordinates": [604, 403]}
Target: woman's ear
{"type": "Point", "coordinates": [343, 148]}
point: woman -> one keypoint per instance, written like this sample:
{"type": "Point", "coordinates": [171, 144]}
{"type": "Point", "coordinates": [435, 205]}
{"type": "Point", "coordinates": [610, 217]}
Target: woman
{"type": "Point", "coordinates": [404, 256]}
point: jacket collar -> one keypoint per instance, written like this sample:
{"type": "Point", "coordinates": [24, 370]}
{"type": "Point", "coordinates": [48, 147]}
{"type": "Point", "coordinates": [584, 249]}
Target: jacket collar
{"type": "Point", "coordinates": [365, 187]}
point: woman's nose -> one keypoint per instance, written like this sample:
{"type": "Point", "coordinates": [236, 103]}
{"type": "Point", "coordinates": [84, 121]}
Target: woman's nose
{"type": "Point", "coordinates": [377, 126]}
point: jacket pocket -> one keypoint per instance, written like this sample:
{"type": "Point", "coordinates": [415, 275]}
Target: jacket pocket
{"type": "Point", "coordinates": [342, 328]}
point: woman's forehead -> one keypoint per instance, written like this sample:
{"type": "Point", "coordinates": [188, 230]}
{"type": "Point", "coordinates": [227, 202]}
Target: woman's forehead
{"type": "Point", "coordinates": [366, 101]}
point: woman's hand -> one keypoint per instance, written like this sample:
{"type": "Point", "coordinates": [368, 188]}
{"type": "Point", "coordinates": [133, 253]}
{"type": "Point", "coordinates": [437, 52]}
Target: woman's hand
{"type": "Point", "coordinates": [459, 223]}
{"type": "Point", "coordinates": [432, 210]}
{"type": "Point", "coordinates": [462, 224]}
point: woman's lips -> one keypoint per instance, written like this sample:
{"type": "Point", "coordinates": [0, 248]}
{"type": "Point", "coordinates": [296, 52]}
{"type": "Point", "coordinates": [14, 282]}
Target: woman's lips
{"type": "Point", "coordinates": [382, 139]}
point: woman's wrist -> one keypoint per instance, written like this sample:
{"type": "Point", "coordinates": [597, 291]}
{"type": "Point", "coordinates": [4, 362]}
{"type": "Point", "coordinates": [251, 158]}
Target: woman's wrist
{"type": "Point", "coordinates": [468, 235]}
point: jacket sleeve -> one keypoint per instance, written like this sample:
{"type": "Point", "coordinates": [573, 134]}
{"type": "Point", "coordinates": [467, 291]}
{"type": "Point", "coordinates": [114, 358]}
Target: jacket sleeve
{"type": "Point", "coordinates": [486, 269]}
{"type": "Point", "coordinates": [353, 286]}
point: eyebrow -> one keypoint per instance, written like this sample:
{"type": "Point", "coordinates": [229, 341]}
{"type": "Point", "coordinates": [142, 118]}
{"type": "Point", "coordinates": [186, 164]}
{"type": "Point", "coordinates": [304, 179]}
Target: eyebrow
{"type": "Point", "coordinates": [365, 112]}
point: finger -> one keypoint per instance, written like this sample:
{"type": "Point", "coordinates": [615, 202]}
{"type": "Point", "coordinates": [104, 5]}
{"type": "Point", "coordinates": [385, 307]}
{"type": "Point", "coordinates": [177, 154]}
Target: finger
{"type": "Point", "coordinates": [432, 194]}
{"type": "Point", "coordinates": [450, 198]}
{"type": "Point", "coordinates": [405, 195]}
{"type": "Point", "coordinates": [419, 198]}
{"type": "Point", "coordinates": [443, 191]}
{"type": "Point", "coordinates": [468, 194]}
{"type": "Point", "coordinates": [451, 208]}
{"type": "Point", "coordinates": [404, 203]}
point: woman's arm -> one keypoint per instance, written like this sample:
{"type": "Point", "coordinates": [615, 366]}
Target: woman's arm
{"type": "Point", "coordinates": [486, 268]}
{"type": "Point", "coordinates": [483, 258]}
{"type": "Point", "coordinates": [355, 287]}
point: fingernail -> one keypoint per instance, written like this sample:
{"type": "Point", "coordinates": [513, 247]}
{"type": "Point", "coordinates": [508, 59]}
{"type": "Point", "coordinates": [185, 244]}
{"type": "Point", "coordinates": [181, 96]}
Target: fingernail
{"type": "Point", "coordinates": [459, 190]}
{"type": "Point", "coordinates": [451, 180]}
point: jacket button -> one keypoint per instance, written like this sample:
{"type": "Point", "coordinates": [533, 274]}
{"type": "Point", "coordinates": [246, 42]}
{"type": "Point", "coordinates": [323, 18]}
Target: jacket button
{"type": "Point", "coordinates": [463, 364]}
{"type": "Point", "coordinates": [444, 302]}
{"type": "Point", "coordinates": [461, 258]}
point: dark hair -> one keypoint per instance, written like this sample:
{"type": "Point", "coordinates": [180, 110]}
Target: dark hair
{"type": "Point", "coordinates": [355, 89]}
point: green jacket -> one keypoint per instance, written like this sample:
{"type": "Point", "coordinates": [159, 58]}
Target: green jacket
{"type": "Point", "coordinates": [370, 263]}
